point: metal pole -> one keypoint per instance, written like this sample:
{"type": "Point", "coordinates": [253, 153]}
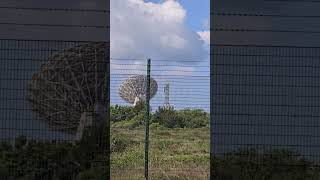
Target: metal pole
{"type": "Point", "coordinates": [147, 116]}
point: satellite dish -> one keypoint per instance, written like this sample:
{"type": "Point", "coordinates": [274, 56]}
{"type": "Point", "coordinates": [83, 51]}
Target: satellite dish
{"type": "Point", "coordinates": [133, 90]}
{"type": "Point", "coordinates": [70, 84]}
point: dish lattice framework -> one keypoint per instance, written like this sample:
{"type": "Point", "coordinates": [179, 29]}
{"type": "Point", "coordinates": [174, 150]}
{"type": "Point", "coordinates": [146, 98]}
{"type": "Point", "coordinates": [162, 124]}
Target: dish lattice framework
{"type": "Point", "coordinates": [69, 84]}
{"type": "Point", "coordinates": [135, 88]}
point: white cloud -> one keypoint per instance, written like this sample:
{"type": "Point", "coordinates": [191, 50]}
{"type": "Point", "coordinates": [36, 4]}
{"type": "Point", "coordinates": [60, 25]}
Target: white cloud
{"type": "Point", "coordinates": [173, 41]}
{"type": "Point", "coordinates": [142, 29]}
{"type": "Point", "coordinates": [205, 36]}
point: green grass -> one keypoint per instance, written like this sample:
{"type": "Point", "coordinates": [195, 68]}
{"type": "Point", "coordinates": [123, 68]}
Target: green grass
{"type": "Point", "coordinates": [174, 153]}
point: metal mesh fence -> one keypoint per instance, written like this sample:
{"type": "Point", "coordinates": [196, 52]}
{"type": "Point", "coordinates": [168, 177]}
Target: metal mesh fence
{"type": "Point", "coordinates": [179, 120]}
{"type": "Point", "coordinates": [54, 99]}
{"type": "Point", "coordinates": [264, 89]}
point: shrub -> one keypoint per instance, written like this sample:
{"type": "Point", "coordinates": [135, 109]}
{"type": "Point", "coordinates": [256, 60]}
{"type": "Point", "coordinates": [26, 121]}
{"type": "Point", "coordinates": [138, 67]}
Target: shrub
{"type": "Point", "coordinates": [269, 165]}
{"type": "Point", "coordinates": [187, 118]}
{"type": "Point", "coordinates": [33, 160]}
{"type": "Point", "coordinates": [139, 107]}
{"type": "Point", "coordinates": [126, 113]}
{"type": "Point", "coordinates": [122, 113]}
{"type": "Point", "coordinates": [194, 118]}
{"type": "Point", "coordinates": [168, 117]}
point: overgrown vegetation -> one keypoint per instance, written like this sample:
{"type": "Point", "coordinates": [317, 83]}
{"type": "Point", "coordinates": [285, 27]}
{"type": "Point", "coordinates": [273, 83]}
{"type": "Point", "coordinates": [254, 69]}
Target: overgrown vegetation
{"type": "Point", "coordinates": [179, 149]}
{"type": "Point", "coordinates": [180, 153]}
{"type": "Point", "coordinates": [122, 113]}
{"type": "Point", "coordinates": [166, 116]}
{"type": "Point", "coordinates": [31, 160]}
{"type": "Point", "coordinates": [179, 143]}
{"type": "Point", "coordinates": [277, 164]}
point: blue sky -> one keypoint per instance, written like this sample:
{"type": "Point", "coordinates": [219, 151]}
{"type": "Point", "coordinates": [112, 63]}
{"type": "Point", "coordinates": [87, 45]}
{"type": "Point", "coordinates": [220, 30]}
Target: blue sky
{"type": "Point", "coordinates": [163, 30]}
{"type": "Point", "coordinates": [197, 12]}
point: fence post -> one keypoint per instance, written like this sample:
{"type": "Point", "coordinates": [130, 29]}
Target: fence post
{"type": "Point", "coordinates": [147, 117]}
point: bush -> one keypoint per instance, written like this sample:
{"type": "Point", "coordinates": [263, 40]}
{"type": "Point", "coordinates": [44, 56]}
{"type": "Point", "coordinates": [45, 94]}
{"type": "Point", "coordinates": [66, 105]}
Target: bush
{"type": "Point", "coordinates": [168, 117]}
{"type": "Point", "coordinates": [269, 165]}
{"type": "Point", "coordinates": [126, 113]}
{"type": "Point", "coordinates": [194, 118]}
{"type": "Point", "coordinates": [122, 113]}
{"type": "Point", "coordinates": [133, 123]}
{"type": "Point", "coordinates": [139, 107]}
{"type": "Point", "coordinates": [187, 118]}
{"type": "Point", "coordinates": [33, 160]}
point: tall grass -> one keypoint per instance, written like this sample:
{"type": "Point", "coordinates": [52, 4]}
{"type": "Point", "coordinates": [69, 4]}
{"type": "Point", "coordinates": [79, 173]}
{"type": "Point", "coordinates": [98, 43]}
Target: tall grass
{"type": "Point", "coordinates": [182, 153]}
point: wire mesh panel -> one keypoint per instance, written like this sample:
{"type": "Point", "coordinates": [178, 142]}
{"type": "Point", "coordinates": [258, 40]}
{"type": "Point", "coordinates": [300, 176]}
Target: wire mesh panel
{"type": "Point", "coordinates": [264, 89]}
{"type": "Point", "coordinates": [179, 120]}
{"type": "Point", "coordinates": [54, 98]}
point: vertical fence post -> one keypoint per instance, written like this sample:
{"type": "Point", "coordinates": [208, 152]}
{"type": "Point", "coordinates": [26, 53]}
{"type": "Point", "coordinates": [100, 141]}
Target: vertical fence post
{"type": "Point", "coordinates": [147, 117]}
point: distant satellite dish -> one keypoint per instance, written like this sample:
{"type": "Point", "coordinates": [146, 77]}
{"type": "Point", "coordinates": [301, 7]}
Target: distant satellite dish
{"type": "Point", "coordinates": [70, 84]}
{"type": "Point", "coordinates": [133, 89]}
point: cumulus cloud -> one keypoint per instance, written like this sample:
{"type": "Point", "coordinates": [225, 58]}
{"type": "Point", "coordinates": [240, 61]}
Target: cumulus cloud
{"type": "Point", "coordinates": [142, 29]}
{"type": "Point", "coordinates": [205, 36]}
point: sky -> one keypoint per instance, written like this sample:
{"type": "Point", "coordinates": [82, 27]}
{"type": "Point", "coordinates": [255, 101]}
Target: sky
{"type": "Point", "coordinates": [172, 33]}
{"type": "Point", "coordinates": [166, 29]}
{"type": "Point", "coordinates": [163, 30]}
